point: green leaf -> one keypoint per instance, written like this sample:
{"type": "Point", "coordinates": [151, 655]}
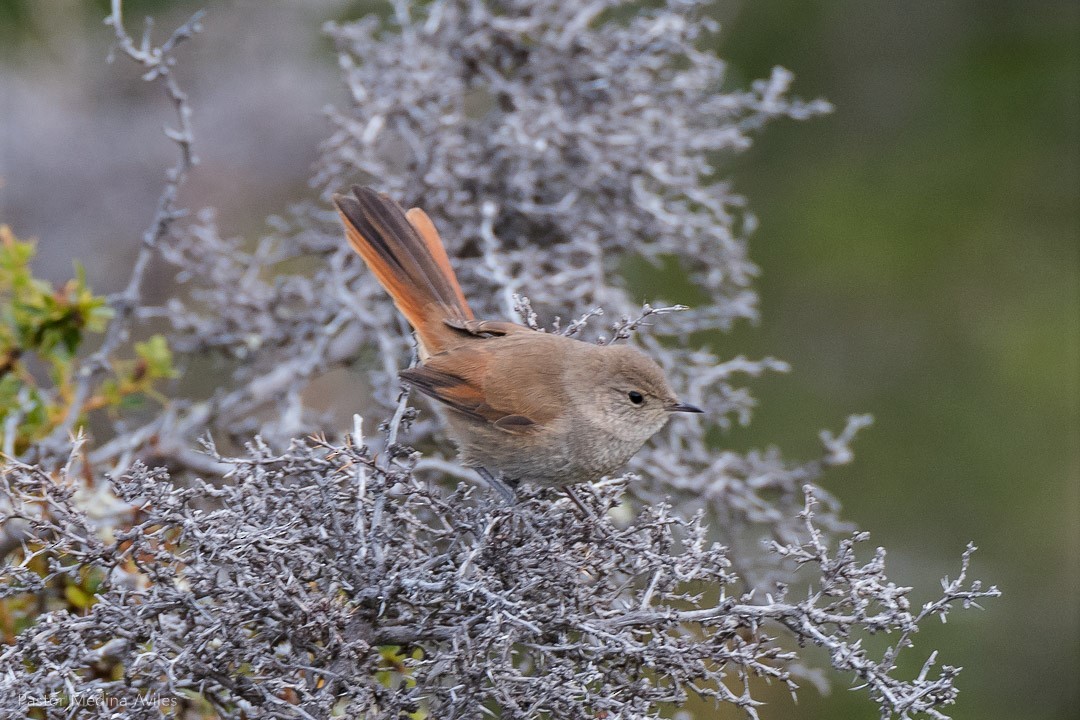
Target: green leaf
{"type": "Point", "coordinates": [71, 337]}
{"type": "Point", "coordinates": [78, 597]}
{"type": "Point", "coordinates": [158, 357]}
{"type": "Point", "coordinates": [131, 402]}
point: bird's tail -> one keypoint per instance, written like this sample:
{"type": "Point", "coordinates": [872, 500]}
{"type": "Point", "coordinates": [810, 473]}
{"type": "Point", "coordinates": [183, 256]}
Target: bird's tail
{"type": "Point", "coordinates": [404, 251]}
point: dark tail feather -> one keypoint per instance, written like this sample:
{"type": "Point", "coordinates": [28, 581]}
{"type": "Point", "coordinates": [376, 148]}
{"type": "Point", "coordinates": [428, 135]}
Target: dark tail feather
{"type": "Point", "coordinates": [409, 260]}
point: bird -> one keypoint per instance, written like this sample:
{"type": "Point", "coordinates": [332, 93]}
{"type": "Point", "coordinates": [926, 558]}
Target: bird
{"type": "Point", "coordinates": [521, 405]}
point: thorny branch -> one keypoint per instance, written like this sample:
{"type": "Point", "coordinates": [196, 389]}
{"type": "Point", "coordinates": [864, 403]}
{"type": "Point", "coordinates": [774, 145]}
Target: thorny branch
{"type": "Point", "coordinates": [316, 556]}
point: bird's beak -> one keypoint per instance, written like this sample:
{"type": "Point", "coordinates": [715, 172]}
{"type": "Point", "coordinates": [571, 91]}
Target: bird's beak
{"type": "Point", "coordinates": [683, 407]}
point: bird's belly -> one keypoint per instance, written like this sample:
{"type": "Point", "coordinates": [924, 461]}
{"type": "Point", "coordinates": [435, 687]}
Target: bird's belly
{"type": "Point", "coordinates": [553, 458]}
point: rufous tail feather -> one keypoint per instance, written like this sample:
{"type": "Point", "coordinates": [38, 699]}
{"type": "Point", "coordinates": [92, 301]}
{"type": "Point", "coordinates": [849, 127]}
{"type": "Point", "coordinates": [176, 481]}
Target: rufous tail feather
{"type": "Point", "coordinates": [408, 258]}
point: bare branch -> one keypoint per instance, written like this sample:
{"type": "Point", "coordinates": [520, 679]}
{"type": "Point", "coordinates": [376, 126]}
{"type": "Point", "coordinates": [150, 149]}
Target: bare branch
{"type": "Point", "coordinates": [158, 62]}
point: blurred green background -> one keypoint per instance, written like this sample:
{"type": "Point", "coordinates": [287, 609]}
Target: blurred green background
{"type": "Point", "coordinates": [920, 255]}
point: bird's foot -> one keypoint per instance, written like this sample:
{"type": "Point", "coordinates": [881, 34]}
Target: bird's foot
{"type": "Point", "coordinates": [501, 486]}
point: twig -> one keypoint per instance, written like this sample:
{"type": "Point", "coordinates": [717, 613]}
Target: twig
{"type": "Point", "coordinates": [158, 62]}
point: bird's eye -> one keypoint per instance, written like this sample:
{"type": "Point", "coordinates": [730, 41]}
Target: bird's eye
{"type": "Point", "coordinates": [636, 397]}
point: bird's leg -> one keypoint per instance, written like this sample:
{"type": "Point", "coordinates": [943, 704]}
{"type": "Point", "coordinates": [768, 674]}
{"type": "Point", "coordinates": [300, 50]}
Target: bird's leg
{"type": "Point", "coordinates": [577, 501]}
{"type": "Point", "coordinates": [503, 489]}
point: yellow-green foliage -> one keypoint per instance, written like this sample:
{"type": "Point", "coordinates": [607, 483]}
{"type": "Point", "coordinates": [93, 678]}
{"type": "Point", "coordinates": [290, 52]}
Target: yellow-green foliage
{"type": "Point", "coordinates": [42, 329]}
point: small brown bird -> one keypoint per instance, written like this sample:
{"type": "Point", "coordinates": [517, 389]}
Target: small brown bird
{"type": "Point", "coordinates": [531, 406]}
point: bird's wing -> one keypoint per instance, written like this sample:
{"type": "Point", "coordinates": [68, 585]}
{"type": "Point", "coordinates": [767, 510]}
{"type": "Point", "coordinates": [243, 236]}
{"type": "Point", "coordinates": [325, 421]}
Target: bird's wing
{"type": "Point", "coordinates": [501, 381]}
{"type": "Point", "coordinates": [464, 398]}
